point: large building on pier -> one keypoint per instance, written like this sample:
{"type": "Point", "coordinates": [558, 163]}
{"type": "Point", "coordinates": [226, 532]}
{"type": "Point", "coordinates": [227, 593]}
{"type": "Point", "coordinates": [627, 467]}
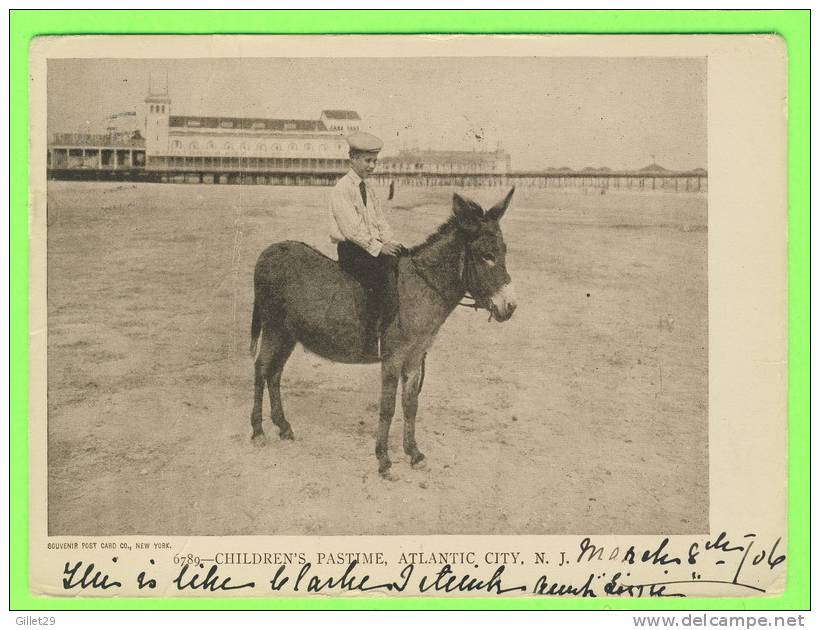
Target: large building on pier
{"type": "Point", "coordinates": [267, 144]}
{"type": "Point", "coordinates": [172, 142]}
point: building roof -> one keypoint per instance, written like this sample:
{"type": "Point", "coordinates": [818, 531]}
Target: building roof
{"type": "Point", "coordinates": [653, 168]}
{"type": "Point", "coordinates": [340, 114]}
{"type": "Point", "coordinates": [252, 124]}
{"type": "Point", "coordinates": [98, 140]}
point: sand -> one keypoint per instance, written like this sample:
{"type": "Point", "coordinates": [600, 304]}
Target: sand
{"type": "Point", "coordinates": [585, 413]}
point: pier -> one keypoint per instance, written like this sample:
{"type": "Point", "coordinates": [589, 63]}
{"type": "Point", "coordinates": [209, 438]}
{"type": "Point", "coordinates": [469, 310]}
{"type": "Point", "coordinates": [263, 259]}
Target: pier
{"type": "Point", "coordinates": [617, 181]}
{"type": "Point", "coordinates": [106, 164]}
{"type": "Point", "coordinates": [110, 158]}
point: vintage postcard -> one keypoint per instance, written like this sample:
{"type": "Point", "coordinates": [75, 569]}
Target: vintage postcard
{"type": "Point", "coordinates": [388, 316]}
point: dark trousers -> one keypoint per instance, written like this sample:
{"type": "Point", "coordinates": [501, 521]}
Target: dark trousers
{"type": "Point", "coordinates": [377, 274]}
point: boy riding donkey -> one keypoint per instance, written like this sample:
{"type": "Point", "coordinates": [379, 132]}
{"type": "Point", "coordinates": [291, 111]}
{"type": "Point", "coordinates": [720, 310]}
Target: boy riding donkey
{"type": "Point", "coordinates": [363, 238]}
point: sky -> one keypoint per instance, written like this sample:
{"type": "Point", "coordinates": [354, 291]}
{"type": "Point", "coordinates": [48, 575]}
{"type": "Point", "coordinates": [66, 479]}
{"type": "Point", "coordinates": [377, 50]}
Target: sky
{"type": "Point", "coordinates": [546, 111]}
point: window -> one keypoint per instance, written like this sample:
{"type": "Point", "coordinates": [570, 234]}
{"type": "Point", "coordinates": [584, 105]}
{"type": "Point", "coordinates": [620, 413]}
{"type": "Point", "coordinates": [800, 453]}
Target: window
{"type": "Point", "coordinates": [228, 146]}
{"type": "Point", "coordinates": [177, 144]}
{"type": "Point", "coordinates": [292, 146]}
{"type": "Point", "coordinates": [163, 109]}
{"type": "Point", "coordinates": [193, 146]}
{"type": "Point", "coordinates": [276, 147]}
{"type": "Point", "coordinates": [244, 146]}
{"type": "Point", "coordinates": [323, 148]}
{"type": "Point", "coordinates": [261, 147]}
{"type": "Point", "coordinates": [210, 146]}
{"type": "Point", "coordinates": [307, 146]}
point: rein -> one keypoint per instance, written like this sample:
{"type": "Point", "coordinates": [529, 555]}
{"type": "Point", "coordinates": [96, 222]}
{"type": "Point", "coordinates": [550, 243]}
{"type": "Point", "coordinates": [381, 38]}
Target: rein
{"type": "Point", "coordinates": [467, 293]}
{"type": "Point", "coordinates": [464, 280]}
{"type": "Point", "coordinates": [474, 305]}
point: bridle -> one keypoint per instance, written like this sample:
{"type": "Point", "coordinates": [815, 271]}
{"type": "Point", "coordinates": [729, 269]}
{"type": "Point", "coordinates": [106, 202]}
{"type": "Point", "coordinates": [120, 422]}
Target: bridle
{"type": "Point", "coordinates": [465, 282]}
{"type": "Point", "coordinates": [467, 273]}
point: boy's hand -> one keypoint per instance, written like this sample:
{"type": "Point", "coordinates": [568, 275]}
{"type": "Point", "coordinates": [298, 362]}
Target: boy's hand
{"type": "Point", "coordinates": [391, 248]}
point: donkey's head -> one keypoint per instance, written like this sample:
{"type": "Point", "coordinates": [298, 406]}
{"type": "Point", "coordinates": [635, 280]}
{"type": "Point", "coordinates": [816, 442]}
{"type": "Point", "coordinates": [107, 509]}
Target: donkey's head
{"type": "Point", "coordinates": [485, 270]}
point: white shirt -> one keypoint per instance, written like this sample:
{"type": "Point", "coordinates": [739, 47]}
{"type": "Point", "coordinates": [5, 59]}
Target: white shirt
{"type": "Point", "coordinates": [352, 220]}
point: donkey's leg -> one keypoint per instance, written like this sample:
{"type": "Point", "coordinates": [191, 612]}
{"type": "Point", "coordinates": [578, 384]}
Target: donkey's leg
{"type": "Point", "coordinates": [390, 381]}
{"type": "Point", "coordinates": [259, 377]}
{"type": "Point", "coordinates": [271, 345]}
{"type": "Point", "coordinates": [412, 376]}
{"type": "Point", "coordinates": [280, 356]}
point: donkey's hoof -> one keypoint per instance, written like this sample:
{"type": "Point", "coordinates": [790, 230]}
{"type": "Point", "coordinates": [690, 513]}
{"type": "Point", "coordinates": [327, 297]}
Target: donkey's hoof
{"type": "Point", "coordinates": [384, 467]}
{"type": "Point", "coordinates": [259, 439]}
{"type": "Point", "coordinates": [388, 475]}
{"type": "Point", "coordinates": [286, 434]}
{"type": "Point", "coordinates": [418, 462]}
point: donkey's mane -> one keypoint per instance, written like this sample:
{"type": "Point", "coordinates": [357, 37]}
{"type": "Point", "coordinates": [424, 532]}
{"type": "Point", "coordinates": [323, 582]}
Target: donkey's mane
{"type": "Point", "coordinates": [448, 226]}
{"type": "Point", "coordinates": [443, 230]}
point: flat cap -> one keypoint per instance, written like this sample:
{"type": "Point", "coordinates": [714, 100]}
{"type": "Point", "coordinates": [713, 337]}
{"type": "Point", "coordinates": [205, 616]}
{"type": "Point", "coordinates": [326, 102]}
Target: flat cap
{"type": "Point", "coordinates": [364, 142]}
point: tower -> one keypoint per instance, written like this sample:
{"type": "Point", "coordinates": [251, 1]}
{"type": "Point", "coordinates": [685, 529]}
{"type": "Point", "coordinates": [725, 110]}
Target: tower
{"type": "Point", "coordinates": [157, 113]}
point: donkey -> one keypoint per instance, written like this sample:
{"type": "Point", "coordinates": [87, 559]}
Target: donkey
{"type": "Point", "coordinates": [301, 295]}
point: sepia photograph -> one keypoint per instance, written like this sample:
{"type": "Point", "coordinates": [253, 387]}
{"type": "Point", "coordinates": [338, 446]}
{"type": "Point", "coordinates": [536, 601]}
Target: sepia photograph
{"type": "Point", "coordinates": [326, 296]}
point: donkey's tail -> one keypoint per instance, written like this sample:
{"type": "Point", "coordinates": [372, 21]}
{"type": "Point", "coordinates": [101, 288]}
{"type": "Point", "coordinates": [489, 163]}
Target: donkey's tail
{"type": "Point", "coordinates": [256, 327]}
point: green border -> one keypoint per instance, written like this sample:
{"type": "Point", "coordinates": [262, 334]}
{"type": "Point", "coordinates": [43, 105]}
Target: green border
{"type": "Point", "coordinates": [792, 25]}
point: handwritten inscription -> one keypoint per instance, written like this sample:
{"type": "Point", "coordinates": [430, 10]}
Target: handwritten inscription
{"type": "Point", "coordinates": [212, 581]}
{"type": "Point", "coordinates": [79, 575]}
{"type": "Point", "coordinates": [740, 563]}
{"type": "Point", "coordinates": [719, 551]}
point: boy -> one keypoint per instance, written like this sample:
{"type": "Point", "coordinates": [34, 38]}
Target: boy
{"type": "Point", "coordinates": [363, 238]}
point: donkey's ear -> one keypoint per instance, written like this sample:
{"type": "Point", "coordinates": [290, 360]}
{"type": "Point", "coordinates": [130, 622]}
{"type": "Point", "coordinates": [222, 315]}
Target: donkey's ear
{"type": "Point", "coordinates": [468, 213]}
{"type": "Point", "coordinates": [498, 210]}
